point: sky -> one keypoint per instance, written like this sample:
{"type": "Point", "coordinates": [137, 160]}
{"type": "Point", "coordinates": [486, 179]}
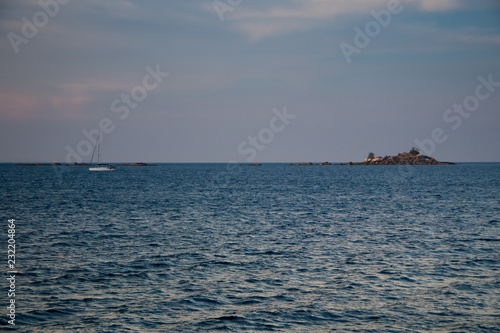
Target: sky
{"type": "Point", "coordinates": [249, 80]}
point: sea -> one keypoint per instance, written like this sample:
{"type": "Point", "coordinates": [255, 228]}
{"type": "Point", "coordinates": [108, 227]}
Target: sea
{"type": "Point", "coordinates": [238, 248]}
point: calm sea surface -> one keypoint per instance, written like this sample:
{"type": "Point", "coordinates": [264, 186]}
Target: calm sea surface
{"type": "Point", "coordinates": [200, 247]}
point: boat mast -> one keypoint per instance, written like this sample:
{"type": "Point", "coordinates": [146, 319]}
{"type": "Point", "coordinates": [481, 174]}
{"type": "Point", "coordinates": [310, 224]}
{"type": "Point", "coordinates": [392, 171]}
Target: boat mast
{"type": "Point", "coordinates": [93, 151]}
{"type": "Point", "coordinates": [98, 148]}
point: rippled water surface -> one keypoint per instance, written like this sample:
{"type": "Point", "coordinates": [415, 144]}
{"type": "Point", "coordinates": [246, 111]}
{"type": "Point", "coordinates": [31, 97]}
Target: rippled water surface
{"type": "Point", "coordinates": [200, 247]}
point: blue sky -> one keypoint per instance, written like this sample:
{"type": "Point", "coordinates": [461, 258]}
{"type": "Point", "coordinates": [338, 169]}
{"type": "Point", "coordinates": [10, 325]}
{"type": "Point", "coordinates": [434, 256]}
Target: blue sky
{"type": "Point", "coordinates": [231, 63]}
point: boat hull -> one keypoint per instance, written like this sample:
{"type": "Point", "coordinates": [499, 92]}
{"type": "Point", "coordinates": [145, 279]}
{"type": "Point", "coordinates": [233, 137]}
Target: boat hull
{"type": "Point", "coordinates": [102, 169]}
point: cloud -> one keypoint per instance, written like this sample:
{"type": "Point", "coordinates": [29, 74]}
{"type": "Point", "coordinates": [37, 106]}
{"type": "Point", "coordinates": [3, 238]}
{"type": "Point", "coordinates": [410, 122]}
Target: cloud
{"type": "Point", "coordinates": [256, 31]}
{"type": "Point", "coordinates": [23, 107]}
{"type": "Point", "coordinates": [438, 6]}
{"type": "Point", "coordinates": [60, 101]}
{"type": "Point", "coordinates": [309, 9]}
{"type": "Point", "coordinates": [272, 20]}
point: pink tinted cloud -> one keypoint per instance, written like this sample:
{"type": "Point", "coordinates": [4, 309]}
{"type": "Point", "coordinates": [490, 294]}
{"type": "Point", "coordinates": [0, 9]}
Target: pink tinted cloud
{"type": "Point", "coordinates": [19, 106]}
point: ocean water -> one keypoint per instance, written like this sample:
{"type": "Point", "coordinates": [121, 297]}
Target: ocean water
{"type": "Point", "coordinates": [276, 248]}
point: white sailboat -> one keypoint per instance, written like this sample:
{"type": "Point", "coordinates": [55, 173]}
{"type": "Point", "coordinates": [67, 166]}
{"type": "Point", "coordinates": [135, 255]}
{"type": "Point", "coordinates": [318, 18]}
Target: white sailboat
{"type": "Point", "coordinates": [99, 167]}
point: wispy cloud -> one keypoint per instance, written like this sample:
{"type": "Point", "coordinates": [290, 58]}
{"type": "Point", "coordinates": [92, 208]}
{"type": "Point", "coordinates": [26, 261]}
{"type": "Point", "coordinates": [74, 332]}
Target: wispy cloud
{"type": "Point", "coordinates": [18, 106]}
{"type": "Point", "coordinates": [438, 6]}
{"type": "Point", "coordinates": [274, 20]}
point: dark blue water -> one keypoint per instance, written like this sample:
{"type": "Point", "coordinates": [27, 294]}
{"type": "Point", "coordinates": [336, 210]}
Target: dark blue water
{"type": "Point", "coordinates": [199, 247]}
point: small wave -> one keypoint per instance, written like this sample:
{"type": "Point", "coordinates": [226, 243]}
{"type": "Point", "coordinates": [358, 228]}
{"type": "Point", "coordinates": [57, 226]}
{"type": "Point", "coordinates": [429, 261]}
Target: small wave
{"type": "Point", "coordinates": [38, 316]}
{"type": "Point", "coordinates": [230, 318]}
{"type": "Point", "coordinates": [226, 323]}
{"type": "Point", "coordinates": [387, 272]}
{"type": "Point", "coordinates": [206, 300]}
{"type": "Point", "coordinates": [403, 279]}
{"type": "Point", "coordinates": [249, 302]}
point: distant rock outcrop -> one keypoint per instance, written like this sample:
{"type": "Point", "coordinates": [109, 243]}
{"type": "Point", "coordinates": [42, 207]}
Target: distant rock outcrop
{"type": "Point", "coordinates": [35, 164]}
{"type": "Point", "coordinates": [401, 159]}
{"type": "Point", "coordinates": [137, 164]}
{"type": "Point", "coordinates": [310, 163]}
{"type": "Point", "coordinates": [54, 164]}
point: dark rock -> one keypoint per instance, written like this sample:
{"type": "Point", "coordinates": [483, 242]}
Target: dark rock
{"type": "Point", "coordinates": [402, 159]}
{"type": "Point", "coordinates": [35, 164]}
{"type": "Point", "coordinates": [138, 164]}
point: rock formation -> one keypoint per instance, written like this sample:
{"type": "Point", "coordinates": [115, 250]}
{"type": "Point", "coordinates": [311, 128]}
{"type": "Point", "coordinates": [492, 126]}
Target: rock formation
{"type": "Point", "coordinates": [138, 164]}
{"type": "Point", "coordinates": [401, 159]}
